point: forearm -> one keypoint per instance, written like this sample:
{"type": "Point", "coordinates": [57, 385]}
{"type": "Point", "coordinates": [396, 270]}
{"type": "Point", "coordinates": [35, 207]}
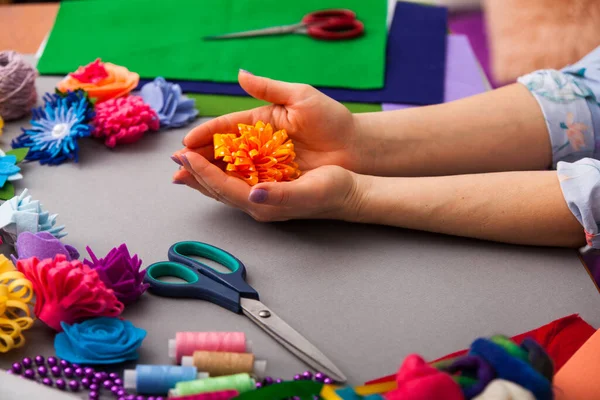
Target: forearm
{"type": "Point", "coordinates": [512, 207]}
{"type": "Point", "coordinates": [495, 131]}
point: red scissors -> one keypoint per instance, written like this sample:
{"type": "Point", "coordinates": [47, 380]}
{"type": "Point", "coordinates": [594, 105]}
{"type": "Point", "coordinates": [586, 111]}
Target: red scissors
{"type": "Point", "coordinates": [339, 24]}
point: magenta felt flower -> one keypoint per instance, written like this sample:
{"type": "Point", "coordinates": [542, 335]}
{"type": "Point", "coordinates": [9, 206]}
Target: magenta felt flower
{"type": "Point", "coordinates": [120, 272]}
{"type": "Point", "coordinates": [124, 120]}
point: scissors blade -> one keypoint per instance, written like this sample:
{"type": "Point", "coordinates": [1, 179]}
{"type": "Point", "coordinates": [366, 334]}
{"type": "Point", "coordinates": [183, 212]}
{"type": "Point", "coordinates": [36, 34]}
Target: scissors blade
{"type": "Point", "coordinates": [276, 30]}
{"type": "Point", "coordinates": [290, 338]}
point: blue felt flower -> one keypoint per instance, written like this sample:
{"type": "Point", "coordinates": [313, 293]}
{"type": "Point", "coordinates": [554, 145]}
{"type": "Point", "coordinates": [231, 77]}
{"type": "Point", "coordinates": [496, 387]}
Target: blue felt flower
{"type": "Point", "coordinates": [173, 108]}
{"type": "Point", "coordinates": [71, 98]}
{"type": "Point", "coordinates": [8, 168]}
{"type": "Point", "coordinates": [101, 340]}
{"type": "Point", "coordinates": [56, 127]}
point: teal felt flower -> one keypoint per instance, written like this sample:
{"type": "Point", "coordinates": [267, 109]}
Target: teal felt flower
{"type": "Point", "coordinates": [8, 168]}
{"type": "Point", "coordinates": [10, 172]}
{"type": "Point", "coordinates": [101, 340]}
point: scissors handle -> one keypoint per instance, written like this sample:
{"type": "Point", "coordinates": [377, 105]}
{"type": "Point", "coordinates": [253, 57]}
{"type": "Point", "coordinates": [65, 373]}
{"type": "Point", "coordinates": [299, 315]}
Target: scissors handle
{"type": "Point", "coordinates": [236, 280]}
{"type": "Point", "coordinates": [195, 286]}
{"type": "Point", "coordinates": [337, 24]}
{"type": "Point", "coordinates": [328, 15]}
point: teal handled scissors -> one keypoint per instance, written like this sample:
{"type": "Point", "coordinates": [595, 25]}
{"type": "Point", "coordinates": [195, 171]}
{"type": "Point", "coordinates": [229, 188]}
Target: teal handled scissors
{"type": "Point", "coordinates": [230, 291]}
{"type": "Point", "coordinates": [339, 24]}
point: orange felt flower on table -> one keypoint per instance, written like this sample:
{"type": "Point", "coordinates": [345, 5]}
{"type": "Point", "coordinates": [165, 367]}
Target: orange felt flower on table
{"type": "Point", "coordinates": [101, 81]}
{"type": "Point", "coordinates": [257, 154]}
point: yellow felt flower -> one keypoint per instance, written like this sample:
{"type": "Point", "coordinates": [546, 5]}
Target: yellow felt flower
{"type": "Point", "coordinates": [16, 298]}
{"type": "Point", "coordinates": [6, 265]}
{"type": "Point", "coordinates": [257, 154]}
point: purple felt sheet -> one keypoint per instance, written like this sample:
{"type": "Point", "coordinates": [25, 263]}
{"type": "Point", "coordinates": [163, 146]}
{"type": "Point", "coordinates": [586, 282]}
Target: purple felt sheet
{"type": "Point", "coordinates": [473, 25]}
{"type": "Point", "coordinates": [463, 74]}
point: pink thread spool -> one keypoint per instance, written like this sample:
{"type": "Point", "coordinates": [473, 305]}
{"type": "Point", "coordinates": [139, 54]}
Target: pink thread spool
{"type": "Point", "coordinates": [222, 395]}
{"type": "Point", "coordinates": [186, 343]}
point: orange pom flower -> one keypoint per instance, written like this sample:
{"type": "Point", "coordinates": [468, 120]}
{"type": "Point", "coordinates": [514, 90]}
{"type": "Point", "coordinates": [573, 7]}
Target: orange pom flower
{"type": "Point", "coordinates": [102, 81]}
{"type": "Point", "coordinates": [256, 154]}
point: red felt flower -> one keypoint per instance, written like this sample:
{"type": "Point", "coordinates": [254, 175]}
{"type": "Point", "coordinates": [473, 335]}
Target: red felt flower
{"type": "Point", "coordinates": [124, 120]}
{"type": "Point", "coordinates": [68, 291]}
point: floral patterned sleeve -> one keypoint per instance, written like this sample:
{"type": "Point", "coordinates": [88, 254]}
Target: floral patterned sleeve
{"type": "Point", "coordinates": [570, 102]}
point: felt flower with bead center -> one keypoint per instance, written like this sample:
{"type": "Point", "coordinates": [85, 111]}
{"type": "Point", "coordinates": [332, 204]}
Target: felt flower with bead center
{"type": "Point", "coordinates": [257, 154]}
{"type": "Point", "coordinates": [56, 129]}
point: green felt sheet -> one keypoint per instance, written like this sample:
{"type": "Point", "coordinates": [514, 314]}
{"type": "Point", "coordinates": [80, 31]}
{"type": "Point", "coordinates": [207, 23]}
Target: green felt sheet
{"type": "Point", "coordinates": [217, 105]}
{"type": "Point", "coordinates": [165, 38]}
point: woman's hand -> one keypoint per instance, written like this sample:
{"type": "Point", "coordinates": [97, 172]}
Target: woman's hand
{"type": "Point", "coordinates": [326, 192]}
{"type": "Point", "coordinates": [323, 130]}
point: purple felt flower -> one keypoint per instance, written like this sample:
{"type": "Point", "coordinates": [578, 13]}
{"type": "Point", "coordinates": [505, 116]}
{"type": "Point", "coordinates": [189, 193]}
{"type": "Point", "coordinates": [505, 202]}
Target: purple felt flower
{"type": "Point", "coordinates": [120, 272]}
{"type": "Point", "coordinates": [43, 245]}
{"type": "Point", "coordinates": [173, 108]}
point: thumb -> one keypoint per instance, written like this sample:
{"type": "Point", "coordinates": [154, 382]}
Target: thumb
{"type": "Point", "coordinates": [270, 90]}
{"type": "Point", "coordinates": [292, 194]}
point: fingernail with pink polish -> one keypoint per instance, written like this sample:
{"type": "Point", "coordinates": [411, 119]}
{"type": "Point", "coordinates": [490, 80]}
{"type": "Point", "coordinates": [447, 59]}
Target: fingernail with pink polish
{"type": "Point", "coordinates": [176, 160]}
{"type": "Point", "coordinates": [246, 72]}
{"type": "Point", "coordinates": [258, 195]}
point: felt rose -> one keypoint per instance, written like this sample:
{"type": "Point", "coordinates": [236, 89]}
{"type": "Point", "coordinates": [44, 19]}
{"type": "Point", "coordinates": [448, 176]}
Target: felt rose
{"type": "Point", "coordinates": [43, 245]}
{"type": "Point", "coordinates": [120, 272]}
{"type": "Point", "coordinates": [173, 108]}
{"type": "Point", "coordinates": [99, 341]}
{"type": "Point", "coordinates": [102, 81]}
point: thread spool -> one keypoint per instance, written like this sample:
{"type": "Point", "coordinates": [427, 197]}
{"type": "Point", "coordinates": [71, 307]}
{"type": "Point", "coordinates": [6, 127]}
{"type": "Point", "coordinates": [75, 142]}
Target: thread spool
{"type": "Point", "coordinates": [241, 382]}
{"type": "Point", "coordinates": [225, 363]}
{"type": "Point", "coordinates": [186, 343]}
{"type": "Point", "coordinates": [221, 395]}
{"type": "Point", "coordinates": [159, 379]}
{"type": "Point", "coordinates": [17, 86]}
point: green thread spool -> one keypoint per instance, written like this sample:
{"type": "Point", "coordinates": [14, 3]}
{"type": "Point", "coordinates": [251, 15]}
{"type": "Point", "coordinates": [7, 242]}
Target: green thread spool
{"type": "Point", "coordinates": [240, 382]}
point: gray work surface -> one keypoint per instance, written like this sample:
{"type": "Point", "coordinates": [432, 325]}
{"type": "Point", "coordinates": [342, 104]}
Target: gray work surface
{"type": "Point", "coordinates": [365, 295]}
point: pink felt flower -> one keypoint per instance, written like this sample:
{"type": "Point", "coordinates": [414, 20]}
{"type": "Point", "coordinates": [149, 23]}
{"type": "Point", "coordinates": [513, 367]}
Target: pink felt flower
{"type": "Point", "coordinates": [575, 132]}
{"type": "Point", "coordinates": [68, 291]}
{"type": "Point", "coordinates": [124, 120]}
{"type": "Point", "coordinates": [417, 380]}
{"type": "Point", "coordinates": [94, 72]}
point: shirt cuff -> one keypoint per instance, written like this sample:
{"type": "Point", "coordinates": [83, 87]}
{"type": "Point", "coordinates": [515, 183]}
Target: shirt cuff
{"type": "Point", "coordinates": [580, 185]}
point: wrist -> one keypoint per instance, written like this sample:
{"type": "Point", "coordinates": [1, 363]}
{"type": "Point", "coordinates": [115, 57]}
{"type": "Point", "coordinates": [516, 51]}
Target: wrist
{"type": "Point", "coordinates": [364, 145]}
{"type": "Point", "coordinates": [356, 201]}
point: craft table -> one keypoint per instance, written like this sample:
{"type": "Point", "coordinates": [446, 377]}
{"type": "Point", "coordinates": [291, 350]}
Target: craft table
{"type": "Point", "coordinates": [365, 295]}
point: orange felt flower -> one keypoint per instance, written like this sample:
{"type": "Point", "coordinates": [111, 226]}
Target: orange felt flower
{"type": "Point", "coordinates": [102, 81]}
{"type": "Point", "coordinates": [255, 154]}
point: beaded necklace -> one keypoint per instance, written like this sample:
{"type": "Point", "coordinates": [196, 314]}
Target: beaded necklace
{"type": "Point", "coordinates": [66, 376]}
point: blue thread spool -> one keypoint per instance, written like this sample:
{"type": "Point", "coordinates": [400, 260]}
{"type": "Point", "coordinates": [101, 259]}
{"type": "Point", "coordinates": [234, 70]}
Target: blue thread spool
{"type": "Point", "coordinates": [159, 379]}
